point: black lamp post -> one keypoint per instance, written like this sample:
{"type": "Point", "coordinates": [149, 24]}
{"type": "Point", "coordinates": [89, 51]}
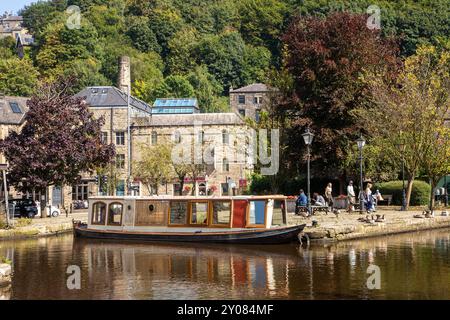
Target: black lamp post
{"type": "Point", "coordinates": [308, 138]}
{"type": "Point", "coordinates": [361, 143]}
{"type": "Point", "coordinates": [401, 147]}
{"type": "Point", "coordinates": [446, 190]}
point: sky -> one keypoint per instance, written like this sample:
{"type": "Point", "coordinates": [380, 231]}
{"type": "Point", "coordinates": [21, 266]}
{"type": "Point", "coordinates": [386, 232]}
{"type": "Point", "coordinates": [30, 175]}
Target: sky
{"type": "Point", "coordinates": [13, 5]}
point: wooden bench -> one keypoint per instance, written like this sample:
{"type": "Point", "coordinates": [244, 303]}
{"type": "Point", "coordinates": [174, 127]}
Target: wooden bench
{"type": "Point", "coordinates": [387, 199]}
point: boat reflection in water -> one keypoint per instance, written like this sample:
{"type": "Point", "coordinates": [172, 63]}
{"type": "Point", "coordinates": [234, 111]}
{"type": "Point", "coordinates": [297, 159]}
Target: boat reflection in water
{"type": "Point", "coordinates": [185, 271]}
{"type": "Point", "coordinates": [413, 266]}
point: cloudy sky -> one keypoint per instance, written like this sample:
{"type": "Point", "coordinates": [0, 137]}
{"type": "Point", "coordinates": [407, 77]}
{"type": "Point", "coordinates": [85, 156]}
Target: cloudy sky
{"type": "Point", "coordinates": [13, 5]}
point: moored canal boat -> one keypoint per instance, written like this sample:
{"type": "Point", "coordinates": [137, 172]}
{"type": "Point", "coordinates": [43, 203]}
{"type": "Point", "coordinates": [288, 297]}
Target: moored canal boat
{"type": "Point", "coordinates": [227, 219]}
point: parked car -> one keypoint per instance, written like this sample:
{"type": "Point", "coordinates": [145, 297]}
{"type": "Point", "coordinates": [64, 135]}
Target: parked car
{"type": "Point", "coordinates": [51, 211]}
{"type": "Point", "coordinates": [24, 208]}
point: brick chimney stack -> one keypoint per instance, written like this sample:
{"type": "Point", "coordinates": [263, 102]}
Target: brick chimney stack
{"type": "Point", "coordinates": [124, 80]}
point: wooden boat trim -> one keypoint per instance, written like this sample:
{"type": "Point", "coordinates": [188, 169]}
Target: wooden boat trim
{"type": "Point", "coordinates": [242, 231]}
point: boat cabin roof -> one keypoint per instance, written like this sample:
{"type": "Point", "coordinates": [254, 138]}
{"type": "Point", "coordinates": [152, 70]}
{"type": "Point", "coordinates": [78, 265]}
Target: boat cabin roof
{"type": "Point", "coordinates": [192, 198]}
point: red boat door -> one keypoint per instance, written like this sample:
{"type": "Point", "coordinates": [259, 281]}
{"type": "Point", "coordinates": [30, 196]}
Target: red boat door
{"type": "Point", "coordinates": [239, 213]}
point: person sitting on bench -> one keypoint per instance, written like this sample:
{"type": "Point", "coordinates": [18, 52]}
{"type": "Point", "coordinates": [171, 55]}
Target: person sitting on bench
{"type": "Point", "coordinates": [318, 200]}
{"type": "Point", "coordinates": [302, 202]}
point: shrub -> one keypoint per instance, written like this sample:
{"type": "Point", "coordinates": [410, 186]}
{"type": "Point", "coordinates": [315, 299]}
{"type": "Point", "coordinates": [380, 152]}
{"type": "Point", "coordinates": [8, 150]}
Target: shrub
{"type": "Point", "coordinates": [5, 260]}
{"type": "Point", "coordinates": [420, 194]}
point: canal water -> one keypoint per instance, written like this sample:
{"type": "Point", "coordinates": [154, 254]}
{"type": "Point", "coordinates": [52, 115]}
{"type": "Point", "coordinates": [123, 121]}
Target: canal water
{"type": "Point", "coordinates": [412, 266]}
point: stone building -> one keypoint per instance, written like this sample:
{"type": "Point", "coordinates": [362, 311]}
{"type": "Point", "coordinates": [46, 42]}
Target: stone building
{"type": "Point", "coordinates": [217, 136]}
{"type": "Point", "coordinates": [11, 26]}
{"type": "Point", "coordinates": [12, 114]}
{"type": "Point", "coordinates": [248, 101]}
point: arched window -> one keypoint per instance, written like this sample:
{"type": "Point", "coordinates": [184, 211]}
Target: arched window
{"type": "Point", "coordinates": [99, 213]}
{"type": "Point", "coordinates": [154, 137]}
{"type": "Point", "coordinates": [225, 137]}
{"type": "Point", "coordinates": [115, 214]}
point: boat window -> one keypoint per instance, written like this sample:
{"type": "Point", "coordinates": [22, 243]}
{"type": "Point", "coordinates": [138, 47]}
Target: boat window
{"type": "Point", "coordinates": [199, 212]}
{"type": "Point", "coordinates": [221, 213]}
{"type": "Point", "coordinates": [178, 212]}
{"type": "Point", "coordinates": [278, 213]}
{"type": "Point", "coordinates": [257, 210]}
{"type": "Point", "coordinates": [115, 214]}
{"type": "Point", "coordinates": [98, 213]}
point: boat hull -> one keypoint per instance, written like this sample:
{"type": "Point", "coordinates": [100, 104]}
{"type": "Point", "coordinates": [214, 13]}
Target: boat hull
{"type": "Point", "coordinates": [265, 236]}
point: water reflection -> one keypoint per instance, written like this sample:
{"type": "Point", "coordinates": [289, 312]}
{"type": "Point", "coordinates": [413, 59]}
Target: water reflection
{"type": "Point", "coordinates": [412, 266]}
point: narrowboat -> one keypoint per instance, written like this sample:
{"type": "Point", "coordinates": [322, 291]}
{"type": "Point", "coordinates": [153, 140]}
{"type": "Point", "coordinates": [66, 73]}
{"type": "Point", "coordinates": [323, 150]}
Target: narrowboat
{"type": "Point", "coordinates": [225, 219]}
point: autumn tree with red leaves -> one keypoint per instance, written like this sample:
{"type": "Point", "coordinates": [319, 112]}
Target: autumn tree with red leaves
{"type": "Point", "coordinates": [327, 59]}
{"type": "Point", "coordinates": [59, 140]}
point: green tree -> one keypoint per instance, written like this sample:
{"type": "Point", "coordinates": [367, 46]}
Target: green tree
{"type": "Point", "coordinates": [141, 35]}
{"type": "Point", "coordinates": [17, 77]}
{"type": "Point", "coordinates": [412, 111]}
{"type": "Point", "coordinates": [155, 167]}
{"type": "Point", "coordinates": [207, 90]}
{"type": "Point", "coordinates": [174, 87]}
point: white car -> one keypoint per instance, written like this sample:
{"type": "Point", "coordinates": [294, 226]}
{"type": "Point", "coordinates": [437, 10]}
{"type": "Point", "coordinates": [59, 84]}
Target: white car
{"type": "Point", "coordinates": [53, 212]}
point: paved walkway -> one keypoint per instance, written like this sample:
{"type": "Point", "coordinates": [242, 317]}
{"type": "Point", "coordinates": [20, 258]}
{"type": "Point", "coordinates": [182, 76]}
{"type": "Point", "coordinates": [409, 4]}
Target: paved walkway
{"type": "Point", "coordinates": [45, 226]}
{"type": "Point", "coordinates": [346, 226]}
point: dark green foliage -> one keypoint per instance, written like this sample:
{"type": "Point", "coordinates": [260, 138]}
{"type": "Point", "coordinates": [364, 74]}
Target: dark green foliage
{"type": "Point", "coordinates": [420, 192]}
{"type": "Point", "coordinates": [235, 40]}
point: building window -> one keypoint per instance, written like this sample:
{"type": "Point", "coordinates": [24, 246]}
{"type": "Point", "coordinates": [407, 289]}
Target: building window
{"type": "Point", "coordinates": [242, 112]}
{"type": "Point", "coordinates": [201, 137]}
{"type": "Point", "coordinates": [120, 161]}
{"type": "Point", "coordinates": [241, 99]}
{"type": "Point", "coordinates": [120, 188]}
{"type": "Point", "coordinates": [257, 115]}
{"type": "Point", "coordinates": [225, 165]}
{"type": "Point", "coordinates": [225, 137]}
{"type": "Point", "coordinates": [15, 107]}
{"type": "Point", "coordinates": [120, 138]}
{"type": "Point", "coordinates": [257, 100]}
{"type": "Point", "coordinates": [80, 192]}
{"type": "Point", "coordinates": [177, 137]}
{"type": "Point", "coordinates": [154, 137]}
{"type": "Point", "coordinates": [104, 137]}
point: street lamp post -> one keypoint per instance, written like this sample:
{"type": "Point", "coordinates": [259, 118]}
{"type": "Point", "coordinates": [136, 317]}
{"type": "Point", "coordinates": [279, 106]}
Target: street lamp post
{"type": "Point", "coordinates": [361, 143]}
{"type": "Point", "coordinates": [308, 138]}
{"type": "Point", "coordinates": [401, 147]}
{"type": "Point", "coordinates": [446, 190]}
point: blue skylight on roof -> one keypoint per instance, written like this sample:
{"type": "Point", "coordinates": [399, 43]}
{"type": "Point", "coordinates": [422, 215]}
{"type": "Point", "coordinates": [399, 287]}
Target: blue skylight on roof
{"type": "Point", "coordinates": [15, 107]}
{"type": "Point", "coordinates": [175, 103]}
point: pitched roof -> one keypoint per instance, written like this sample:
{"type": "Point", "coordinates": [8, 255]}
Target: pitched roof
{"type": "Point", "coordinates": [8, 105]}
{"type": "Point", "coordinates": [254, 87]}
{"type": "Point", "coordinates": [109, 96]}
{"type": "Point", "coordinates": [189, 119]}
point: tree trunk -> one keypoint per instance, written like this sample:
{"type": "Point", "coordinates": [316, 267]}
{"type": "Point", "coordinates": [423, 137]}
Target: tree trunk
{"type": "Point", "coordinates": [409, 191]}
{"type": "Point", "coordinates": [433, 185]}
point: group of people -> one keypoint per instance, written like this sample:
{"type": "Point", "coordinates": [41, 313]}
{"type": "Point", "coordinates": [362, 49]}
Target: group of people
{"type": "Point", "coordinates": [317, 200]}
{"type": "Point", "coordinates": [368, 198]}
